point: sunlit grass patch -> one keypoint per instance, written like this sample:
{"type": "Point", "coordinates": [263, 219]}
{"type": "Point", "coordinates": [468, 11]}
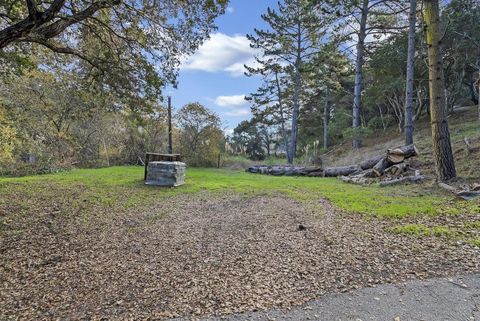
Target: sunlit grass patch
{"type": "Point", "coordinates": [467, 232]}
{"type": "Point", "coordinates": [122, 187]}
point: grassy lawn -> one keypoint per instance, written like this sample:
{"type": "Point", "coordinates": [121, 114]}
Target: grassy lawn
{"type": "Point", "coordinates": [114, 189]}
{"type": "Point", "coordinates": [123, 186]}
{"type": "Point", "coordinates": [99, 243]}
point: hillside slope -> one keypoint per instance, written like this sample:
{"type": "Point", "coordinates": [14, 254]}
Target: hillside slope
{"type": "Point", "coordinates": [463, 123]}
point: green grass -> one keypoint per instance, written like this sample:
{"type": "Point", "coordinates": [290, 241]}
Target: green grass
{"type": "Point", "coordinates": [465, 232]}
{"type": "Point", "coordinates": [123, 187]}
{"type": "Point", "coordinates": [411, 229]}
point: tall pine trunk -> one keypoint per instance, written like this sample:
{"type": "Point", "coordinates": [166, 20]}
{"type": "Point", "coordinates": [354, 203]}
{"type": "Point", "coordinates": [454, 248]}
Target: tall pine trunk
{"type": "Point", "coordinates": [282, 117]}
{"type": "Point", "coordinates": [296, 95]}
{"type": "Point", "coordinates": [296, 109]}
{"type": "Point", "coordinates": [478, 84]}
{"type": "Point", "coordinates": [357, 101]}
{"type": "Point", "coordinates": [326, 114]}
{"type": "Point", "coordinates": [442, 149]}
{"type": "Point", "coordinates": [409, 93]}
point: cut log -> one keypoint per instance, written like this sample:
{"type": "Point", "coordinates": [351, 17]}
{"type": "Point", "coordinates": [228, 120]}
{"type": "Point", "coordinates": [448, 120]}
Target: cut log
{"type": "Point", "coordinates": [381, 166]}
{"type": "Point", "coordinates": [397, 169]}
{"type": "Point", "coordinates": [398, 155]}
{"type": "Point", "coordinates": [401, 180]}
{"type": "Point", "coordinates": [341, 171]}
{"type": "Point", "coordinates": [369, 163]}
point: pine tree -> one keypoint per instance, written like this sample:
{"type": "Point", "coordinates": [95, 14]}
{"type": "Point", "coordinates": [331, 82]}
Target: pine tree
{"type": "Point", "coordinates": [357, 20]}
{"type": "Point", "coordinates": [442, 149]}
{"type": "Point", "coordinates": [296, 33]}
{"type": "Point", "coordinates": [409, 92]}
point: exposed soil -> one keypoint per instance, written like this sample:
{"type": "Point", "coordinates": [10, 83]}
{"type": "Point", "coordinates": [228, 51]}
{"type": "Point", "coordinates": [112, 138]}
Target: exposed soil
{"type": "Point", "coordinates": [198, 255]}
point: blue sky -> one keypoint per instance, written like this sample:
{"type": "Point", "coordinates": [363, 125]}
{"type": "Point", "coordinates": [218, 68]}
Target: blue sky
{"type": "Point", "coordinates": [214, 76]}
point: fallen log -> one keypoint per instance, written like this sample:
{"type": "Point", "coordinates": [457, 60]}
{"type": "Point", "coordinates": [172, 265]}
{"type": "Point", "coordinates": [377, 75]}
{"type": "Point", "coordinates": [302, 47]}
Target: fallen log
{"type": "Point", "coordinates": [400, 180]}
{"type": "Point", "coordinates": [316, 174]}
{"type": "Point", "coordinates": [308, 170]}
{"type": "Point", "coordinates": [369, 163]}
{"type": "Point", "coordinates": [468, 195]}
{"type": "Point", "coordinates": [398, 155]}
{"type": "Point", "coordinates": [341, 171]}
{"type": "Point", "coordinates": [447, 187]}
{"type": "Point", "coordinates": [381, 166]}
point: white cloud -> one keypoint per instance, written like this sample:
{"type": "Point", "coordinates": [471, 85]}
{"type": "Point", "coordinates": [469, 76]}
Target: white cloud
{"type": "Point", "coordinates": [222, 53]}
{"type": "Point", "coordinates": [230, 101]}
{"type": "Point", "coordinates": [230, 9]}
{"type": "Point", "coordinates": [238, 112]}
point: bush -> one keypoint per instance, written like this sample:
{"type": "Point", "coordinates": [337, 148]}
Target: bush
{"type": "Point", "coordinates": [359, 133]}
{"type": "Point", "coordinates": [376, 122]}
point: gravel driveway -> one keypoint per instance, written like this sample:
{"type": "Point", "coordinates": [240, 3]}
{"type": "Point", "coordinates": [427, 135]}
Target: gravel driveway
{"type": "Point", "coordinates": [204, 255]}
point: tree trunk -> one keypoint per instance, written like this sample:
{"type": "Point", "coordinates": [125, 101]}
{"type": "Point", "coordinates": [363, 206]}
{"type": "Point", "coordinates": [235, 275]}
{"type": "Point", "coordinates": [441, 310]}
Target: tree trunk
{"type": "Point", "coordinates": [478, 83]}
{"type": "Point", "coordinates": [326, 114]}
{"type": "Point", "coordinates": [442, 149]}
{"type": "Point", "coordinates": [284, 132]}
{"type": "Point", "coordinates": [410, 74]}
{"type": "Point", "coordinates": [357, 102]}
{"type": "Point", "coordinates": [296, 108]}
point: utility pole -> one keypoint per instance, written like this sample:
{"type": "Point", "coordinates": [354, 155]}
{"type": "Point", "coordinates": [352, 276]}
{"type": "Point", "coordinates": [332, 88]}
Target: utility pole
{"type": "Point", "coordinates": [170, 148]}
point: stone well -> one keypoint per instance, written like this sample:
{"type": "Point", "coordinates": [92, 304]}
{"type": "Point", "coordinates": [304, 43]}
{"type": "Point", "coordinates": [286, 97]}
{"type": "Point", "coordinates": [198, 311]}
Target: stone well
{"type": "Point", "coordinates": [165, 173]}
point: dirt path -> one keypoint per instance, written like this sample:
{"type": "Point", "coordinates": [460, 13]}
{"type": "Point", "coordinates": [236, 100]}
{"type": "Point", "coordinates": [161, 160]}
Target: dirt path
{"type": "Point", "coordinates": [204, 255]}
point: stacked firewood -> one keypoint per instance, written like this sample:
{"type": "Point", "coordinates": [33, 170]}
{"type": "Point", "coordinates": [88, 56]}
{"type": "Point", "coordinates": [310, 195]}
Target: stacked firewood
{"type": "Point", "coordinates": [390, 168]}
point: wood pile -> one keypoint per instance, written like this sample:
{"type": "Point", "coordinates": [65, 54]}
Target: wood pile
{"type": "Point", "coordinates": [390, 169]}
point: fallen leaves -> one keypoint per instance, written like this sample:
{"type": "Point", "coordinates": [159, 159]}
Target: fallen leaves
{"type": "Point", "coordinates": [211, 255]}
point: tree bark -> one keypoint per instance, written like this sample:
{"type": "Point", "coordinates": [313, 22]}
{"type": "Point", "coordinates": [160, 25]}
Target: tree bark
{"type": "Point", "coordinates": [442, 149]}
{"type": "Point", "coordinates": [381, 166]}
{"type": "Point", "coordinates": [326, 114]}
{"type": "Point", "coordinates": [410, 74]}
{"type": "Point", "coordinates": [478, 83]}
{"type": "Point", "coordinates": [293, 139]}
{"type": "Point", "coordinates": [340, 171]}
{"type": "Point", "coordinates": [357, 101]}
{"type": "Point", "coordinates": [369, 163]}
{"type": "Point", "coordinates": [282, 116]}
